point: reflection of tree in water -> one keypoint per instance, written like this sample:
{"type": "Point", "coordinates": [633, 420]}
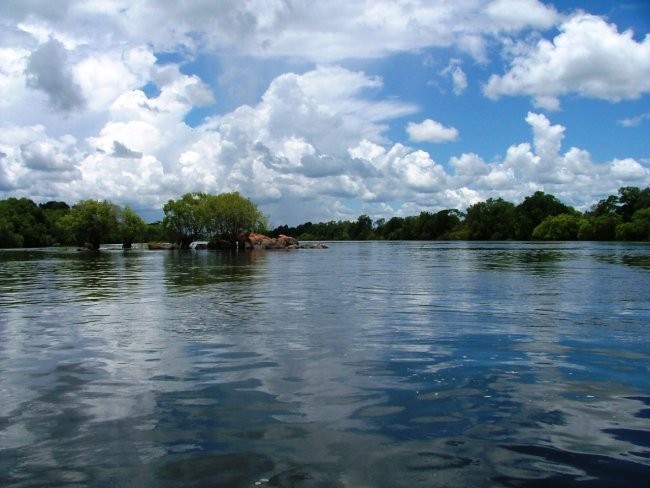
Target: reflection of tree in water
{"type": "Point", "coordinates": [536, 260]}
{"type": "Point", "coordinates": [186, 272]}
{"type": "Point", "coordinates": [101, 275]}
{"type": "Point", "coordinates": [70, 276]}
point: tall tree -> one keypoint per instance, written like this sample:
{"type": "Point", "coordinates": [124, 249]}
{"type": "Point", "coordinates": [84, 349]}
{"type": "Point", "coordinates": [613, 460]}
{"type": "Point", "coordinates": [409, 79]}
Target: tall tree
{"type": "Point", "coordinates": [631, 199]}
{"type": "Point", "coordinates": [227, 214]}
{"type": "Point", "coordinates": [637, 229]}
{"type": "Point", "coordinates": [212, 217]}
{"type": "Point", "coordinates": [54, 212]}
{"type": "Point", "coordinates": [533, 210]}
{"type": "Point", "coordinates": [131, 226]}
{"type": "Point", "coordinates": [22, 224]}
{"type": "Point", "coordinates": [491, 220]}
{"type": "Point", "coordinates": [90, 221]}
{"type": "Point", "coordinates": [361, 230]}
{"type": "Point", "coordinates": [183, 218]}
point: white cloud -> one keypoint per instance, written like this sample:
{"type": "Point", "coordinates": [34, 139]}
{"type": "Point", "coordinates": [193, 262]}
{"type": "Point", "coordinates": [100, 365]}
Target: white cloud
{"type": "Point", "coordinates": [469, 165]}
{"type": "Point", "coordinates": [431, 131]}
{"type": "Point", "coordinates": [457, 76]}
{"type": "Point", "coordinates": [317, 32]}
{"type": "Point", "coordinates": [589, 58]}
{"type": "Point", "coordinates": [312, 143]}
{"type": "Point", "coordinates": [105, 76]}
{"type": "Point", "coordinates": [48, 70]}
{"type": "Point", "coordinates": [511, 15]}
{"type": "Point", "coordinates": [635, 121]}
{"type": "Point", "coordinates": [627, 170]}
{"type": "Point", "coordinates": [12, 69]}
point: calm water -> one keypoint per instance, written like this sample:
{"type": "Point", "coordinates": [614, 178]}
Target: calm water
{"type": "Point", "coordinates": [366, 364]}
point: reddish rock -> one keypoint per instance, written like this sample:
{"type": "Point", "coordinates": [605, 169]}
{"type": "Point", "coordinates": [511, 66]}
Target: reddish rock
{"type": "Point", "coordinates": [265, 242]}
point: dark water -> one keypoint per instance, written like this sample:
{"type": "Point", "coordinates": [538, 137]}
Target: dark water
{"type": "Point", "coordinates": [366, 364]}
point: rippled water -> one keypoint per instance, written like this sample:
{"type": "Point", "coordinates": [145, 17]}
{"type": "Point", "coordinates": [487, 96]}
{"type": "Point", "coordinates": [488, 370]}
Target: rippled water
{"type": "Point", "coordinates": [366, 364]}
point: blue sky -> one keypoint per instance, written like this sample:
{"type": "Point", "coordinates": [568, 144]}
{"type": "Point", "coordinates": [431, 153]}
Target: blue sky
{"type": "Point", "coordinates": [321, 111]}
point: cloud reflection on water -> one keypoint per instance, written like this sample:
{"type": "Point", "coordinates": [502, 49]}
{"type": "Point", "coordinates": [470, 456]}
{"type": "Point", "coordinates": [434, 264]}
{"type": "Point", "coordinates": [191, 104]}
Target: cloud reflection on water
{"type": "Point", "coordinates": [308, 367]}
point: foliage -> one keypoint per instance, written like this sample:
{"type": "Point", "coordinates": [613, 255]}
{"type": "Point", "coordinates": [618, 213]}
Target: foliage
{"type": "Point", "coordinates": [625, 216]}
{"type": "Point", "coordinates": [211, 217]}
{"type": "Point", "coordinates": [131, 226]}
{"type": "Point", "coordinates": [183, 218]}
{"type": "Point", "coordinates": [491, 220]}
{"type": "Point", "coordinates": [533, 210]}
{"type": "Point", "coordinates": [599, 227]}
{"type": "Point", "coordinates": [637, 229]}
{"type": "Point", "coordinates": [495, 219]}
{"type": "Point", "coordinates": [89, 221]}
{"type": "Point", "coordinates": [563, 227]}
{"type": "Point", "coordinates": [154, 232]}
{"type": "Point", "coordinates": [25, 224]}
{"type": "Point", "coordinates": [227, 214]}
{"type": "Point", "coordinates": [631, 199]}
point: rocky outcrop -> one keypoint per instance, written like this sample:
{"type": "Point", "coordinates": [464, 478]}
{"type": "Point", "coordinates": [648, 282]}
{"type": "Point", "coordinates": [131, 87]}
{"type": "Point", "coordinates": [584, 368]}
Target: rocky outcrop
{"type": "Point", "coordinates": [313, 245]}
{"type": "Point", "coordinates": [260, 241]}
{"type": "Point", "coordinates": [166, 246]}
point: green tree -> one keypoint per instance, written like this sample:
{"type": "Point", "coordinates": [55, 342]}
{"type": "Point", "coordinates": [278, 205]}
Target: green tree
{"type": "Point", "coordinates": [438, 225]}
{"type": "Point", "coordinates": [599, 227]}
{"type": "Point", "coordinates": [491, 220]}
{"type": "Point", "coordinates": [631, 199]}
{"type": "Point", "coordinates": [131, 226]}
{"type": "Point", "coordinates": [361, 230]}
{"type": "Point", "coordinates": [637, 229]}
{"type": "Point", "coordinates": [563, 227]}
{"type": "Point", "coordinates": [22, 224]}
{"type": "Point", "coordinates": [533, 210]}
{"type": "Point", "coordinates": [184, 219]}
{"type": "Point", "coordinates": [155, 232]}
{"type": "Point", "coordinates": [199, 215]}
{"type": "Point", "coordinates": [395, 229]}
{"type": "Point", "coordinates": [54, 213]}
{"type": "Point", "coordinates": [90, 221]}
{"type": "Point", "coordinates": [605, 207]}
{"type": "Point", "coordinates": [227, 214]}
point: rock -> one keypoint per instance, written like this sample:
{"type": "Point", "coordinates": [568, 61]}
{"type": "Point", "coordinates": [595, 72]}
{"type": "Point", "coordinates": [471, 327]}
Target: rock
{"type": "Point", "coordinates": [318, 245]}
{"type": "Point", "coordinates": [281, 242]}
{"type": "Point", "coordinates": [166, 246]}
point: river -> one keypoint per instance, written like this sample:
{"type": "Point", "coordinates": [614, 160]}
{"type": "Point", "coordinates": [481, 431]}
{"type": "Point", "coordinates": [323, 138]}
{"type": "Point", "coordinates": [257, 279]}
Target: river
{"type": "Point", "coordinates": [387, 364]}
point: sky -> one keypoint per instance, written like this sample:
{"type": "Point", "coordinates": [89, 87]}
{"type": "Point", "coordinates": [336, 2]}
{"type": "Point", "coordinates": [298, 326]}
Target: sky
{"type": "Point", "coordinates": [321, 111]}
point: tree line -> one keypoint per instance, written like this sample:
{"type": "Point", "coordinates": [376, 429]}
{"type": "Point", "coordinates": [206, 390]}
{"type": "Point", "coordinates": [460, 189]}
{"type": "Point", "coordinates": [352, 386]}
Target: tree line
{"type": "Point", "coordinates": [90, 223]}
{"type": "Point", "coordinates": [219, 218]}
{"type": "Point", "coordinates": [541, 216]}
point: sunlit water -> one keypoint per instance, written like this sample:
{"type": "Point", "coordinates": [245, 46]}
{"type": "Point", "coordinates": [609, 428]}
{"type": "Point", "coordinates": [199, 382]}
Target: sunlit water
{"type": "Point", "coordinates": [365, 364]}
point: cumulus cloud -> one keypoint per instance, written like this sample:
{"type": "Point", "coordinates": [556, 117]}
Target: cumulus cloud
{"type": "Point", "coordinates": [47, 70]}
{"type": "Point", "coordinates": [431, 131]}
{"type": "Point", "coordinates": [108, 74]}
{"type": "Point", "coordinates": [315, 140]}
{"type": "Point", "coordinates": [322, 32]}
{"type": "Point", "coordinates": [589, 58]}
{"type": "Point", "coordinates": [121, 151]}
{"type": "Point", "coordinates": [512, 15]}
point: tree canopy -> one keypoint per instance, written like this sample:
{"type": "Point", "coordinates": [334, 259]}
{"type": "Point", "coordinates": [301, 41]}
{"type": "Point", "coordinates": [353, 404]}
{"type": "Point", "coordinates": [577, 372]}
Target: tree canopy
{"type": "Point", "coordinates": [193, 216]}
{"type": "Point", "coordinates": [540, 216]}
{"type": "Point", "coordinates": [208, 217]}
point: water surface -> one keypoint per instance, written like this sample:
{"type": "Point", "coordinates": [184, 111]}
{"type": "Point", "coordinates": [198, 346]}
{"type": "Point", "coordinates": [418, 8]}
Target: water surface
{"type": "Point", "coordinates": [366, 364]}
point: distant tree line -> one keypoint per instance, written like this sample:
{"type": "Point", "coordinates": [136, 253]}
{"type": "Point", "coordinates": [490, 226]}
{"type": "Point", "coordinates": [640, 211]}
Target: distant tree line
{"type": "Point", "coordinates": [90, 223]}
{"type": "Point", "coordinates": [215, 218]}
{"type": "Point", "coordinates": [540, 216]}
